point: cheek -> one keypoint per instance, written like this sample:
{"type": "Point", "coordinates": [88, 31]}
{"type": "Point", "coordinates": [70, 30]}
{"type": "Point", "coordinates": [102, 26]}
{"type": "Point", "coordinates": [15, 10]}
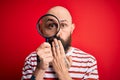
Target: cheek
{"type": "Point", "coordinates": [65, 34]}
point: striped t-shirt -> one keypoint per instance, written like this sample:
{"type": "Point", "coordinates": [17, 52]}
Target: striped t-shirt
{"type": "Point", "coordinates": [84, 66]}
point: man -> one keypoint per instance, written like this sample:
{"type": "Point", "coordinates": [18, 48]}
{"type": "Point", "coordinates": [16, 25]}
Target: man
{"type": "Point", "coordinates": [61, 61]}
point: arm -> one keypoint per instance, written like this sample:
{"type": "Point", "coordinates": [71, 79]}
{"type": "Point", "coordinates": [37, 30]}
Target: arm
{"type": "Point", "coordinates": [39, 72]}
{"type": "Point", "coordinates": [45, 55]}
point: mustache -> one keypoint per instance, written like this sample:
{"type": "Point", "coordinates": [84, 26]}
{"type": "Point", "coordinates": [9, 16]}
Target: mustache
{"type": "Point", "coordinates": [66, 43]}
{"type": "Point", "coordinates": [50, 40]}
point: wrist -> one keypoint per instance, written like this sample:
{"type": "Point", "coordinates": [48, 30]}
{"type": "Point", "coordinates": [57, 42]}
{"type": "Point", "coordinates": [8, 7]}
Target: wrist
{"type": "Point", "coordinates": [42, 66]}
{"type": "Point", "coordinates": [64, 75]}
{"type": "Point", "coordinates": [38, 74]}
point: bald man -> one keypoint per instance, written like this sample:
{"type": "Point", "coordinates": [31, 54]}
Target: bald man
{"type": "Point", "coordinates": [61, 61]}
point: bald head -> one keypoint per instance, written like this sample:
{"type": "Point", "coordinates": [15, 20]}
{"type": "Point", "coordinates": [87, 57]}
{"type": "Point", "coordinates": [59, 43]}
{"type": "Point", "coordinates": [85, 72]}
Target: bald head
{"type": "Point", "coordinates": [61, 13]}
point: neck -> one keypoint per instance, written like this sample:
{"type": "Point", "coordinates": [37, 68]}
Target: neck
{"type": "Point", "coordinates": [69, 49]}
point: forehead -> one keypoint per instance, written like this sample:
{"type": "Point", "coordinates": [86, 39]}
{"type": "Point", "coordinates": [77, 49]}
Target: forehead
{"type": "Point", "coordinates": [61, 13]}
{"type": "Point", "coordinates": [65, 21]}
{"type": "Point", "coordinates": [63, 18]}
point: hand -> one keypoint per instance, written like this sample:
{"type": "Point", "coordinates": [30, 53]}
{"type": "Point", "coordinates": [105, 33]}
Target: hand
{"type": "Point", "coordinates": [60, 63]}
{"type": "Point", "coordinates": [45, 55]}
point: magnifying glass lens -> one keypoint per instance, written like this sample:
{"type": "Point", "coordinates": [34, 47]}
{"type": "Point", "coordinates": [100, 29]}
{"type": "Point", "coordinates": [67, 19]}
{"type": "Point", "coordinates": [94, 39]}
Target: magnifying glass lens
{"type": "Point", "coordinates": [48, 26]}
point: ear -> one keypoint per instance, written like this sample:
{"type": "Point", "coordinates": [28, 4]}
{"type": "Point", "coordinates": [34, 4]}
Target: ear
{"type": "Point", "coordinates": [72, 28]}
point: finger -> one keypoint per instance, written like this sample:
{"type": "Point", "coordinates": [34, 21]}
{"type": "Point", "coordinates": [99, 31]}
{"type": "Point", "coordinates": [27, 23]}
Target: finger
{"type": "Point", "coordinates": [48, 56]}
{"type": "Point", "coordinates": [61, 48]}
{"type": "Point", "coordinates": [47, 50]}
{"type": "Point", "coordinates": [57, 50]}
{"type": "Point", "coordinates": [44, 45]}
{"type": "Point", "coordinates": [49, 59]}
{"type": "Point", "coordinates": [45, 56]}
{"type": "Point", "coordinates": [53, 49]}
{"type": "Point", "coordinates": [43, 51]}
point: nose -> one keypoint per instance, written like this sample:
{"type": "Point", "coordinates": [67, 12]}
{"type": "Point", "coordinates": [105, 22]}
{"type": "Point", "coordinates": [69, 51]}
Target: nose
{"type": "Point", "coordinates": [59, 33]}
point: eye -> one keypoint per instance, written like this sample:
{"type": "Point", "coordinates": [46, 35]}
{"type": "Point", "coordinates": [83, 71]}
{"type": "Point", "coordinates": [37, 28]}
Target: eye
{"type": "Point", "coordinates": [63, 25]}
{"type": "Point", "coordinates": [52, 25]}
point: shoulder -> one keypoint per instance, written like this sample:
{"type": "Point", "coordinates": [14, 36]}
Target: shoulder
{"type": "Point", "coordinates": [81, 54]}
{"type": "Point", "coordinates": [31, 57]}
{"type": "Point", "coordinates": [29, 65]}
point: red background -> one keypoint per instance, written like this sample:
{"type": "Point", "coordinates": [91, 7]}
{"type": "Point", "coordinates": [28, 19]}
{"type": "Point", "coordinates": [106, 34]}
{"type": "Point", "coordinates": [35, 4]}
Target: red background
{"type": "Point", "coordinates": [97, 32]}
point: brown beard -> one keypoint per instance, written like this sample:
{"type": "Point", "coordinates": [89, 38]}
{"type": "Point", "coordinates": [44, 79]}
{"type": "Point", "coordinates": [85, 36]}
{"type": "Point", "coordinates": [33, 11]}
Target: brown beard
{"type": "Point", "coordinates": [66, 44]}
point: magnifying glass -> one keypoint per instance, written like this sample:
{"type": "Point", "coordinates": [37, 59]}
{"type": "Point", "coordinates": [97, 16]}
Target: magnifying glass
{"type": "Point", "coordinates": [48, 26]}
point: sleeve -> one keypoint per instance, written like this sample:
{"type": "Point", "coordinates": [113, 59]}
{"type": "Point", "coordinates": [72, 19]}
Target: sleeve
{"type": "Point", "coordinates": [92, 72]}
{"type": "Point", "coordinates": [29, 67]}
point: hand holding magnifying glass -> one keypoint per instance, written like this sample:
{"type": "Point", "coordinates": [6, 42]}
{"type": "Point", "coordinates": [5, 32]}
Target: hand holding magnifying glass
{"type": "Point", "coordinates": [48, 26]}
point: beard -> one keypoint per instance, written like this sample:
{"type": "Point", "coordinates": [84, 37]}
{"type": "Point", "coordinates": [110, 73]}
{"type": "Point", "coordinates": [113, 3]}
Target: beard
{"type": "Point", "coordinates": [66, 43]}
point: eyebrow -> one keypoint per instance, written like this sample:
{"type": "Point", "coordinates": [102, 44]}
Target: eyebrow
{"type": "Point", "coordinates": [63, 21]}
{"type": "Point", "coordinates": [50, 20]}
{"type": "Point", "coordinates": [59, 20]}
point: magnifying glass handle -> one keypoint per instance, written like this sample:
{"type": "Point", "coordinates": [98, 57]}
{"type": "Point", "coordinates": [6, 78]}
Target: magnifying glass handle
{"type": "Point", "coordinates": [47, 40]}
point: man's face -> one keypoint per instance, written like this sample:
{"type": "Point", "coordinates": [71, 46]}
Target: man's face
{"type": "Point", "coordinates": [64, 35]}
{"type": "Point", "coordinates": [66, 25]}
